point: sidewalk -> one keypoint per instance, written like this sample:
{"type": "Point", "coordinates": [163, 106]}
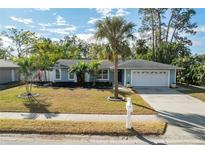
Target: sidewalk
{"type": "Point", "coordinates": [75, 117]}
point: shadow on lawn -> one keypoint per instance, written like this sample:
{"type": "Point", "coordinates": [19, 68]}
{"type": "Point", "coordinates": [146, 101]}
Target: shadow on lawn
{"type": "Point", "coordinates": [36, 106]}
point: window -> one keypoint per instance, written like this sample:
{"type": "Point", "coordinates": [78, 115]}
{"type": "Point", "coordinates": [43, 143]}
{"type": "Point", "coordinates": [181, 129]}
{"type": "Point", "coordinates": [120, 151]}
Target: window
{"type": "Point", "coordinates": [102, 75]}
{"type": "Point", "coordinates": [105, 74]}
{"type": "Point", "coordinates": [71, 75]}
{"type": "Point", "coordinates": [58, 74]}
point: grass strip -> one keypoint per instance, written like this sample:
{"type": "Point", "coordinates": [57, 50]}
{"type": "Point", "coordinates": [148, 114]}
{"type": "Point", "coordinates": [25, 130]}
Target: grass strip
{"type": "Point", "coordinates": [72, 127]}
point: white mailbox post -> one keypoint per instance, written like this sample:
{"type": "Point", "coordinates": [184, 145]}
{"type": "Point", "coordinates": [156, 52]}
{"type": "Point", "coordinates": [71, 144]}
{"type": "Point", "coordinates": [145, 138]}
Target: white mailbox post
{"type": "Point", "coordinates": [129, 109]}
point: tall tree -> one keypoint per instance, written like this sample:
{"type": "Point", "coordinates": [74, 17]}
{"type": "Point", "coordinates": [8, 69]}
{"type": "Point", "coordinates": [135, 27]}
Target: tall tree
{"type": "Point", "coordinates": [22, 40]}
{"type": "Point", "coordinates": [27, 68]}
{"type": "Point", "coordinates": [152, 22]}
{"type": "Point", "coordinates": [165, 30]}
{"type": "Point", "coordinates": [46, 53]}
{"type": "Point", "coordinates": [74, 48]}
{"type": "Point", "coordinates": [116, 31]}
{"type": "Point", "coordinates": [93, 68]}
{"type": "Point", "coordinates": [97, 51]}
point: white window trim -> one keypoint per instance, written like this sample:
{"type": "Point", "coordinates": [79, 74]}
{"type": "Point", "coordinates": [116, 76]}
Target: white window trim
{"type": "Point", "coordinates": [71, 78]}
{"type": "Point", "coordinates": [55, 74]}
{"type": "Point", "coordinates": [108, 75]}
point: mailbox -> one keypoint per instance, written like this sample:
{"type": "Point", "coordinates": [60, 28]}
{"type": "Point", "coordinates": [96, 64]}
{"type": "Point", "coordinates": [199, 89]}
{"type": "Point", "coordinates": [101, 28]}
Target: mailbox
{"type": "Point", "coordinates": [129, 109]}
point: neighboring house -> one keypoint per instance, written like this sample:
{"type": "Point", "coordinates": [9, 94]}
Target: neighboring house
{"type": "Point", "coordinates": [9, 72]}
{"type": "Point", "coordinates": [133, 72]}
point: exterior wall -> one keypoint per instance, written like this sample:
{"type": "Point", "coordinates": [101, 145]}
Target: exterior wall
{"type": "Point", "coordinates": [64, 76]}
{"type": "Point", "coordinates": [6, 75]}
{"type": "Point", "coordinates": [127, 76]}
{"type": "Point", "coordinates": [172, 76]}
{"type": "Point", "coordinates": [123, 76]}
{"type": "Point", "coordinates": [111, 76]}
{"type": "Point", "coordinates": [88, 77]}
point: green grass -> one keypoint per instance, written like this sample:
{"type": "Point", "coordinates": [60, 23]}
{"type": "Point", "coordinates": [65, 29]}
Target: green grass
{"type": "Point", "coordinates": [70, 127]}
{"type": "Point", "coordinates": [194, 92]}
{"type": "Point", "coordinates": [70, 100]}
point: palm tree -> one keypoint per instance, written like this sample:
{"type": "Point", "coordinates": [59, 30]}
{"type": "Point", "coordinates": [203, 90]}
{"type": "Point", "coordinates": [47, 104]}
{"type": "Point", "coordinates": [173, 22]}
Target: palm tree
{"type": "Point", "coordinates": [27, 68]}
{"type": "Point", "coordinates": [80, 69]}
{"type": "Point", "coordinates": [93, 68]}
{"type": "Point", "coordinates": [116, 31]}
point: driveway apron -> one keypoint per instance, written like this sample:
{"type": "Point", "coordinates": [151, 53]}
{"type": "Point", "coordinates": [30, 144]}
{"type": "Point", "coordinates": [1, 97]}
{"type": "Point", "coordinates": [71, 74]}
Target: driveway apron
{"type": "Point", "coordinates": [185, 115]}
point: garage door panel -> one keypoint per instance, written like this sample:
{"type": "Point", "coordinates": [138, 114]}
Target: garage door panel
{"type": "Point", "coordinates": [149, 78]}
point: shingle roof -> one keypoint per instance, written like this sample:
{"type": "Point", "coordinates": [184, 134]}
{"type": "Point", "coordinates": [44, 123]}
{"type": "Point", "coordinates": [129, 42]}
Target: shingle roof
{"type": "Point", "coordinates": [68, 62]}
{"type": "Point", "coordinates": [129, 64]}
{"type": "Point", "coordinates": [7, 64]}
{"type": "Point", "coordinates": [144, 64]}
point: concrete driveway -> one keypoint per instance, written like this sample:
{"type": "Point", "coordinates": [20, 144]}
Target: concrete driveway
{"type": "Point", "coordinates": [185, 115]}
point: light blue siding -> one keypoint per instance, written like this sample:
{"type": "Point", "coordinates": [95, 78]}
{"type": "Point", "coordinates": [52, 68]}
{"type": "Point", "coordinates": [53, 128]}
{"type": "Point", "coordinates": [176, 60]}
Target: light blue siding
{"type": "Point", "coordinates": [64, 76]}
{"type": "Point", "coordinates": [125, 74]}
{"type": "Point", "coordinates": [172, 76]}
{"type": "Point", "coordinates": [128, 76]}
{"type": "Point", "coordinates": [111, 76]}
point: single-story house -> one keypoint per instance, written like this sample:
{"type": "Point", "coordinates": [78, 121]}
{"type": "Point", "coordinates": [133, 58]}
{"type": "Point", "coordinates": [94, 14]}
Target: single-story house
{"type": "Point", "coordinates": [9, 72]}
{"type": "Point", "coordinates": [133, 72]}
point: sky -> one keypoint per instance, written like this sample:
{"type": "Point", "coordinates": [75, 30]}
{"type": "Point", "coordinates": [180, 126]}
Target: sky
{"type": "Point", "coordinates": [57, 23]}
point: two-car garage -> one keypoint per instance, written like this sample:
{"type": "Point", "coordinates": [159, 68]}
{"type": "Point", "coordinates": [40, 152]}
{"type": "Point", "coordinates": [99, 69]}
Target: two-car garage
{"type": "Point", "coordinates": [150, 78]}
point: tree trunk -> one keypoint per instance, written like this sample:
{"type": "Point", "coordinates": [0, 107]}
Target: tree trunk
{"type": "Point", "coordinates": [116, 76]}
{"type": "Point", "coordinates": [159, 27]}
{"type": "Point", "coordinates": [153, 44]}
{"type": "Point", "coordinates": [168, 27]}
{"type": "Point", "coordinates": [45, 75]}
{"type": "Point", "coordinates": [156, 47]}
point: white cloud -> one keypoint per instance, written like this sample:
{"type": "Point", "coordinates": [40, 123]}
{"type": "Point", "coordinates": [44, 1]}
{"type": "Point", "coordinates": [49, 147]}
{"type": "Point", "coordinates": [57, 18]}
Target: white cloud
{"type": "Point", "coordinates": [6, 41]}
{"type": "Point", "coordinates": [200, 28]}
{"type": "Point", "coordinates": [63, 31]}
{"type": "Point", "coordinates": [44, 24]}
{"type": "Point", "coordinates": [43, 9]}
{"type": "Point", "coordinates": [93, 20]}
{"type": "Point", "coordinates": [55, 39]}
{"type": "Point", "coordinates": [104, 12]}
{"type": "Point", "coordinates": [22, 20]}
{"type": "Point", "coordinates": [9, 26]}
{"type": "Point", "coordinates": [112, 12]}
{"type": "Point", "coordinates": [108, 13]}
{"type": "Point", "coordinates": [121, 12]}
{"type": "Point", "coordinates": [87, 37]}
{"type": "Point", "coordinates": [60, 26]}
{"type": "Point", "coordinates": [60, 21]}
{"type": "Point", "coordinates": [92, 30]}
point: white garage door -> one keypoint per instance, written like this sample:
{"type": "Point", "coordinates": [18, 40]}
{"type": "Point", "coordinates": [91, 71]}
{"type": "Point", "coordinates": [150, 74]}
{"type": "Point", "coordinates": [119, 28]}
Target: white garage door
{"type": "Point", "coordinates": [149, 78]}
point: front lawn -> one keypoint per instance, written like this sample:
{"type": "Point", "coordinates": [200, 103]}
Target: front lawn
{"type": "Point", "coordinates": [194, 92]}
{"type": "Point", "coordinates": [70, 100]}
{"type": "Point", "coordinates": [71, 127]}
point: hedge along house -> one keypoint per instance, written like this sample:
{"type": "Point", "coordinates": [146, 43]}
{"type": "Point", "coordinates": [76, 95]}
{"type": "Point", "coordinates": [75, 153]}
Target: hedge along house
{"type": "Point", "coordinates": [9, 72]}
{"type": "Point", "coordinates": [133, 72]}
